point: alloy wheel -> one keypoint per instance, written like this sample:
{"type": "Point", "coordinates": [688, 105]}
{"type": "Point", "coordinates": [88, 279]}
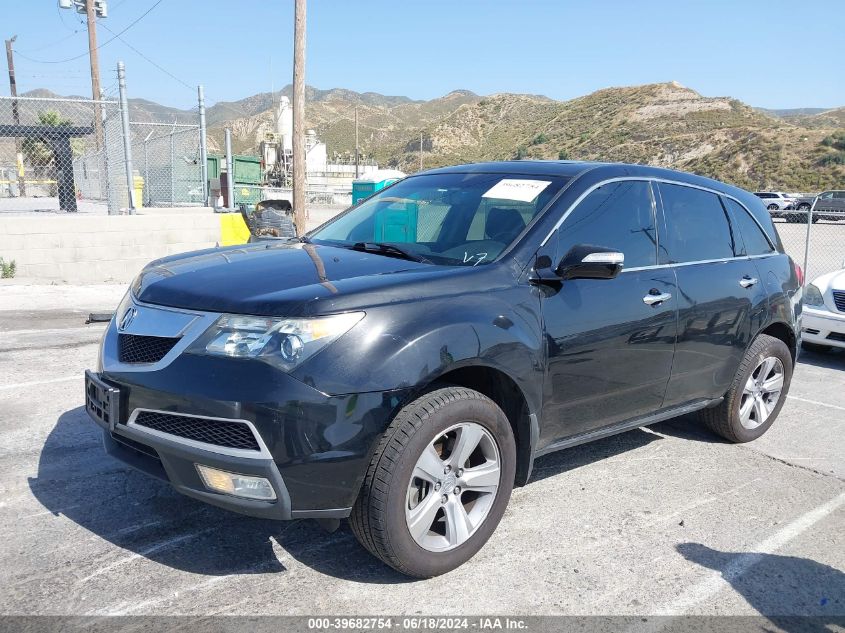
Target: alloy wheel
{"type": "Point", "coordinates": [761, 393]}
{"type": "Point", "coordinates": [453, 486]}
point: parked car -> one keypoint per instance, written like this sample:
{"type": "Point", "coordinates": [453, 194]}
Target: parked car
{"type": "Point", "coordinates": [823, 321]}
{"type": "Point", "coordinates": [776, 202]}
{"type": "Point", "coordinates": [404, 364]}
{"type": "Point", "coordinates": [830, 205]}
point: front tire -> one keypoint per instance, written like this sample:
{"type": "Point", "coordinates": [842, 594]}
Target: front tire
{"type": "Point", "coordinates": [438, 483]}
{"type": "Point", "coordinates": [757, 393]}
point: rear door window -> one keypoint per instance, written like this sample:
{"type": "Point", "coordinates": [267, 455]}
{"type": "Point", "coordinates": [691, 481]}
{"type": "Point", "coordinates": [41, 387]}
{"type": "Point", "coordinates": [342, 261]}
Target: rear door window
{"type": "Point", "coordinates": [618, 215]}
{"type": "Point", "coordinates": [754, 239]}
{"type": "Point", "coordinates": [697, 226]}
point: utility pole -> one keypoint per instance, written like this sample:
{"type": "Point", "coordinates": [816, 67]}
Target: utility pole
{"type": "Point", "coordinates": [92, 10]}
{"type": "Point", "coordinates": [356, 143]}
{"type": "Point", "coordinates": [13, 90]}
{"type": "Point", "coordinates": [421, 141]}
{"type": "Point", "coordinates": [94, 58]}
{"type": "Point", "coordinates": [299, 117]}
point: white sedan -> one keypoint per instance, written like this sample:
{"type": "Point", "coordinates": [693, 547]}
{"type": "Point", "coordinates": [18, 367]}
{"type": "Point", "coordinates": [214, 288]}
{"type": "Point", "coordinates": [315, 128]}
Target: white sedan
{"type": "Point", "coordinates": [823, 321]}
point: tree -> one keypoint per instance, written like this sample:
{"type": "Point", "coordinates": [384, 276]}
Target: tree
{"type": "Point", "coordinates": [36, 152]}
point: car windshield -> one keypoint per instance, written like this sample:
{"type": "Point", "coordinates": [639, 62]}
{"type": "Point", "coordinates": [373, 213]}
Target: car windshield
{"type": "Point", "coordinates": [450, 219]}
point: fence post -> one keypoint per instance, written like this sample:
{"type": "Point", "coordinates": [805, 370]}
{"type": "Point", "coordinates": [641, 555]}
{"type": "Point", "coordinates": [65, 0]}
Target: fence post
{"type": "Point", "coordinates": [203, 147]}
{"type": "Point", "coordinates": [127, 135]}
{"type": "Point", "coordinates": [807, 242]}
{"type": "Point", "coordinates": [147, 170]}
{"type": "Point", "coordinates": [172, 168]}
{"type": "Point", "coordinates": [111, 203]}
{"type": "Point", "coordinates": [229, 170]}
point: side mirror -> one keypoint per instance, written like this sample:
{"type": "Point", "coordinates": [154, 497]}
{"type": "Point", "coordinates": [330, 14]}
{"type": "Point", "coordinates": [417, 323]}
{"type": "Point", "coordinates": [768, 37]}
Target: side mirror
{"type": "Point", "coordinates": [584, 261]}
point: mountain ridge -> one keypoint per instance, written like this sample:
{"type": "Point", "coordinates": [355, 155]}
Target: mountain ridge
{"type": "Point", "coordinates": [664, 124]}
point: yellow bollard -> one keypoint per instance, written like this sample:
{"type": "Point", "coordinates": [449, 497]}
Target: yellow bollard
{"type": "Point", "coordinates": [138, 186]}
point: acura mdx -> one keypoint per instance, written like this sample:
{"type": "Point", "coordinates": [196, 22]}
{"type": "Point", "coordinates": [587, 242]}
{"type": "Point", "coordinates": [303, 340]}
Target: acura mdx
{"type": "Point", "coordinates": [404, 364]}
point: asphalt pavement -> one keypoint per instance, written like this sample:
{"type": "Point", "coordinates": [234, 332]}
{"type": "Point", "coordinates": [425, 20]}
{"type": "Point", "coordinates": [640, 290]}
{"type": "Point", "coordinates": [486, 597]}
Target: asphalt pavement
{"type": "Point", "coordinates": [665, 520]}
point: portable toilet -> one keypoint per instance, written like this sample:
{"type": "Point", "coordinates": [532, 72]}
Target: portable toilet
{"type": "Point", "coordinates": [363, 188]}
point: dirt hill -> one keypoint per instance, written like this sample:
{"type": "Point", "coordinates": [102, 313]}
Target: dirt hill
{"type": "Point", "coordinates": [660, 124]}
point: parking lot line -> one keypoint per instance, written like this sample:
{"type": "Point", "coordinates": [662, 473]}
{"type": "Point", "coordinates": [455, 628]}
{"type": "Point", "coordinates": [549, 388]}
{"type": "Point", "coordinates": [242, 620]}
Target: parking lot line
{"type": "Point", "coordinates": [719, 580]}
{"type": "Point", "coordinates": [816, 402]}
{"type": "Point", "coordinates": [35, 383]}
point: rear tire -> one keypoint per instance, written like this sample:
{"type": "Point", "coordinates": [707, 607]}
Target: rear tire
{"type": "Point", "coordinates": [402, 490]}
{"type": "Point", "coordinates": [757, 393]}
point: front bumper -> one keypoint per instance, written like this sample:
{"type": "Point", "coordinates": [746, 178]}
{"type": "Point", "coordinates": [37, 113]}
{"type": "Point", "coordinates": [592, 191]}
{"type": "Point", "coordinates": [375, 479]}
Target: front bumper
{"type": "Point", "coordinates": [314, 447]}
{"type": "Point", "coordinates": [823, 327]}
{"type": "Point", "coordinates": [175, 462]}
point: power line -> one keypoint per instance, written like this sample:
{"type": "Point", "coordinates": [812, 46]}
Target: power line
{"type": "Point", "coordinates": [161, 68]}
{"type": "Point", "coordinates": [116, 36]}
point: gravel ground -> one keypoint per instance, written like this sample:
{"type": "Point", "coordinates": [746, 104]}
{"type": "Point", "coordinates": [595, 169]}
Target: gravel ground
{"type": "Point", "coordinates": [664, 520]}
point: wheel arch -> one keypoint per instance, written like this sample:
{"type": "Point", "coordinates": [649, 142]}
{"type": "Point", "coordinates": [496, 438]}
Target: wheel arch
{"type": "Point", "coordinates": [502, 389]}
{"type": "Point", "coordinates": [783, 331]}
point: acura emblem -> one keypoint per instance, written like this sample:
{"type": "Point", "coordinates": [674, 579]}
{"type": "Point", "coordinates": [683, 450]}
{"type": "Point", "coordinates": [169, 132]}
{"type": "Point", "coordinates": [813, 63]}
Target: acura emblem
{"type": "Point", "coordinates": [127, 318]}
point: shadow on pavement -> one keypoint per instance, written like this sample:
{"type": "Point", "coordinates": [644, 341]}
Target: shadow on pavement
{"type": "Point", "coordinates": [779, 586]}
{"type": "Point", "coordinates": [833, 359]}
{"type": "Point", "coordinates": [577, 456]}
{"type": "Point", "coordinates": [144, 516]}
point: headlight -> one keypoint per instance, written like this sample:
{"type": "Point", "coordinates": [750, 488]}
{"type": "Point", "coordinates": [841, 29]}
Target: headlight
{"type": "Point", "coordinates": [283, 342]}
{"type": "Point", "coordinates": [813, 296]}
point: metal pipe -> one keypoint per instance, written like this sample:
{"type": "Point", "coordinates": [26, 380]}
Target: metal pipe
{"type": "Point", "coordinates": [112, 204]}
{"type": "Point", "coordinates": [127, 135]}
{"type": "Point", "coordinates": [807, 242]}
{"type": "Point", "coordinates": [203, 146]}
{"type": "Point", "coordinates": [229, 170]}
{"type": "Point", "coordinates": [147, 170]}
{"type": "Point", "coordinates": [172, 170]}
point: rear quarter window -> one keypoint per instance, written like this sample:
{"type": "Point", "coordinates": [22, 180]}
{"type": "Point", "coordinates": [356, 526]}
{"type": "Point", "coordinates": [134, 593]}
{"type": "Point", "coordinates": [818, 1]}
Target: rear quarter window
{"type": "Point", "coordinates": [753, 237]}
{"type": "Point", "coordinates": [697, 225]}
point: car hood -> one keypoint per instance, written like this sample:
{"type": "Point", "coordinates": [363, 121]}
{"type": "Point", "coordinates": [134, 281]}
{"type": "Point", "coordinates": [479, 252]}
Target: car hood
{"type": "Point", "coordinates": [832, 281]}
{"type": "Point", "coordinates": [283, 279]}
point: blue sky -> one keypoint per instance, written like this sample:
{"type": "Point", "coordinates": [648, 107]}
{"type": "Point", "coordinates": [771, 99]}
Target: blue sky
{"type": "Point", "coordinates": [770, 54]}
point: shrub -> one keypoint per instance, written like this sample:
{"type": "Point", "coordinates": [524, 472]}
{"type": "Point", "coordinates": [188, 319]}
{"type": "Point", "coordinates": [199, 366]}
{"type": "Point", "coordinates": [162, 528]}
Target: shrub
{"type": "Point", "coordinates": [563, 155]}
{"type": "Point", "coordinates": [836, 158]}
{"type": "Point", "coordinates": [7, 270]}
{"type": "Point", "coordinates": [539, 139]}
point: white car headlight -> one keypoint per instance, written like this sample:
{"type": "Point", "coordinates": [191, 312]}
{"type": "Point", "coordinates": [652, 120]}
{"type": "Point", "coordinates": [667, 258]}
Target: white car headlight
{"type": "Point", "coordinates": [813, 296]}
{"type": "Point", "coordinates": [282, 342]}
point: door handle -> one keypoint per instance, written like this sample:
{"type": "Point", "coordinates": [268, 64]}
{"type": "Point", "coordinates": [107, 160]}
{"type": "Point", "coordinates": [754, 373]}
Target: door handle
{"type": "Point", "coordinates": [653, 299]}
{"type": "Point", "coordinates": [747, 282]}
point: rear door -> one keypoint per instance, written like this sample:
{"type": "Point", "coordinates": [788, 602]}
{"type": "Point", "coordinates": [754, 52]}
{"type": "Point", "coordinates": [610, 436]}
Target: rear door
{"type": "Point", "coordinates": [720, 294]}
{"type": "Point", "coordinates": [609, 344]}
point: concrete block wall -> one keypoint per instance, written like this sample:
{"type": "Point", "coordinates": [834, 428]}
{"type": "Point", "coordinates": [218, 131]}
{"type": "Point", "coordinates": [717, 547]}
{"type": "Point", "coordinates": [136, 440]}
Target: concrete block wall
{"type": "Point", "coordinates": [96, 248]}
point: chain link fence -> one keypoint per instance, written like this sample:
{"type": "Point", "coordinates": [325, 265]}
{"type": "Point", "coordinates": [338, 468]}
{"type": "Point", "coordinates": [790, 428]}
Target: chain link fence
{"type": "Point", "coordinates": [818, 246]}
{"type": "Point", "coordinates": [60, 155]}
{"type": "Point", "coordinates": [167, 159]}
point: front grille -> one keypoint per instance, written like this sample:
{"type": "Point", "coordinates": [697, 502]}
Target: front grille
{"type": "Point", "coordinates": [132, 348]}
{"type": "Point", "coordinates": [226, 433]}
{"type": "Point", "coordinates": [839, 299]}
{"type": "Point", "coordinates": [836, 336]}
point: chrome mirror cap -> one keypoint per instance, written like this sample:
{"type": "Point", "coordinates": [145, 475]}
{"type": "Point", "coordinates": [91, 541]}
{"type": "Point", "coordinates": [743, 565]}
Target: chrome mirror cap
{"type": "Point", "coordinates": [611, 258]}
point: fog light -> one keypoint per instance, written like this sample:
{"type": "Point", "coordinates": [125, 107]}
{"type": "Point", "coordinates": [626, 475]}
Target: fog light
{"type": "Point", "coordinates": [246, 486]}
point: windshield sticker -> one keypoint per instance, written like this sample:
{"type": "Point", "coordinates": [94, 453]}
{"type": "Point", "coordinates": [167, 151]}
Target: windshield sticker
{"type": "Point", "coordinates": [514, 189]}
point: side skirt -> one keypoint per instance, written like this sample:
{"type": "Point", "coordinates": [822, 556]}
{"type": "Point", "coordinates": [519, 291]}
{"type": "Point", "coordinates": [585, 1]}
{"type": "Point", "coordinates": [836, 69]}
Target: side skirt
{"type": "Point", "coordinates": [626, 425]}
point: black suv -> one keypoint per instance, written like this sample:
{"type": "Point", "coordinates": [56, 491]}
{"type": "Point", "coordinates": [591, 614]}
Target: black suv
{"type": "Point", "coordinates": [404, 364]}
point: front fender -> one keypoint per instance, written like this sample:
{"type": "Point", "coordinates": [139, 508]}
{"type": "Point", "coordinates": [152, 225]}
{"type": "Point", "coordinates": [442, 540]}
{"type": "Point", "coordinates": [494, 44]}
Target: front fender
{"type": "Point", "coordinates": [411, 345]}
